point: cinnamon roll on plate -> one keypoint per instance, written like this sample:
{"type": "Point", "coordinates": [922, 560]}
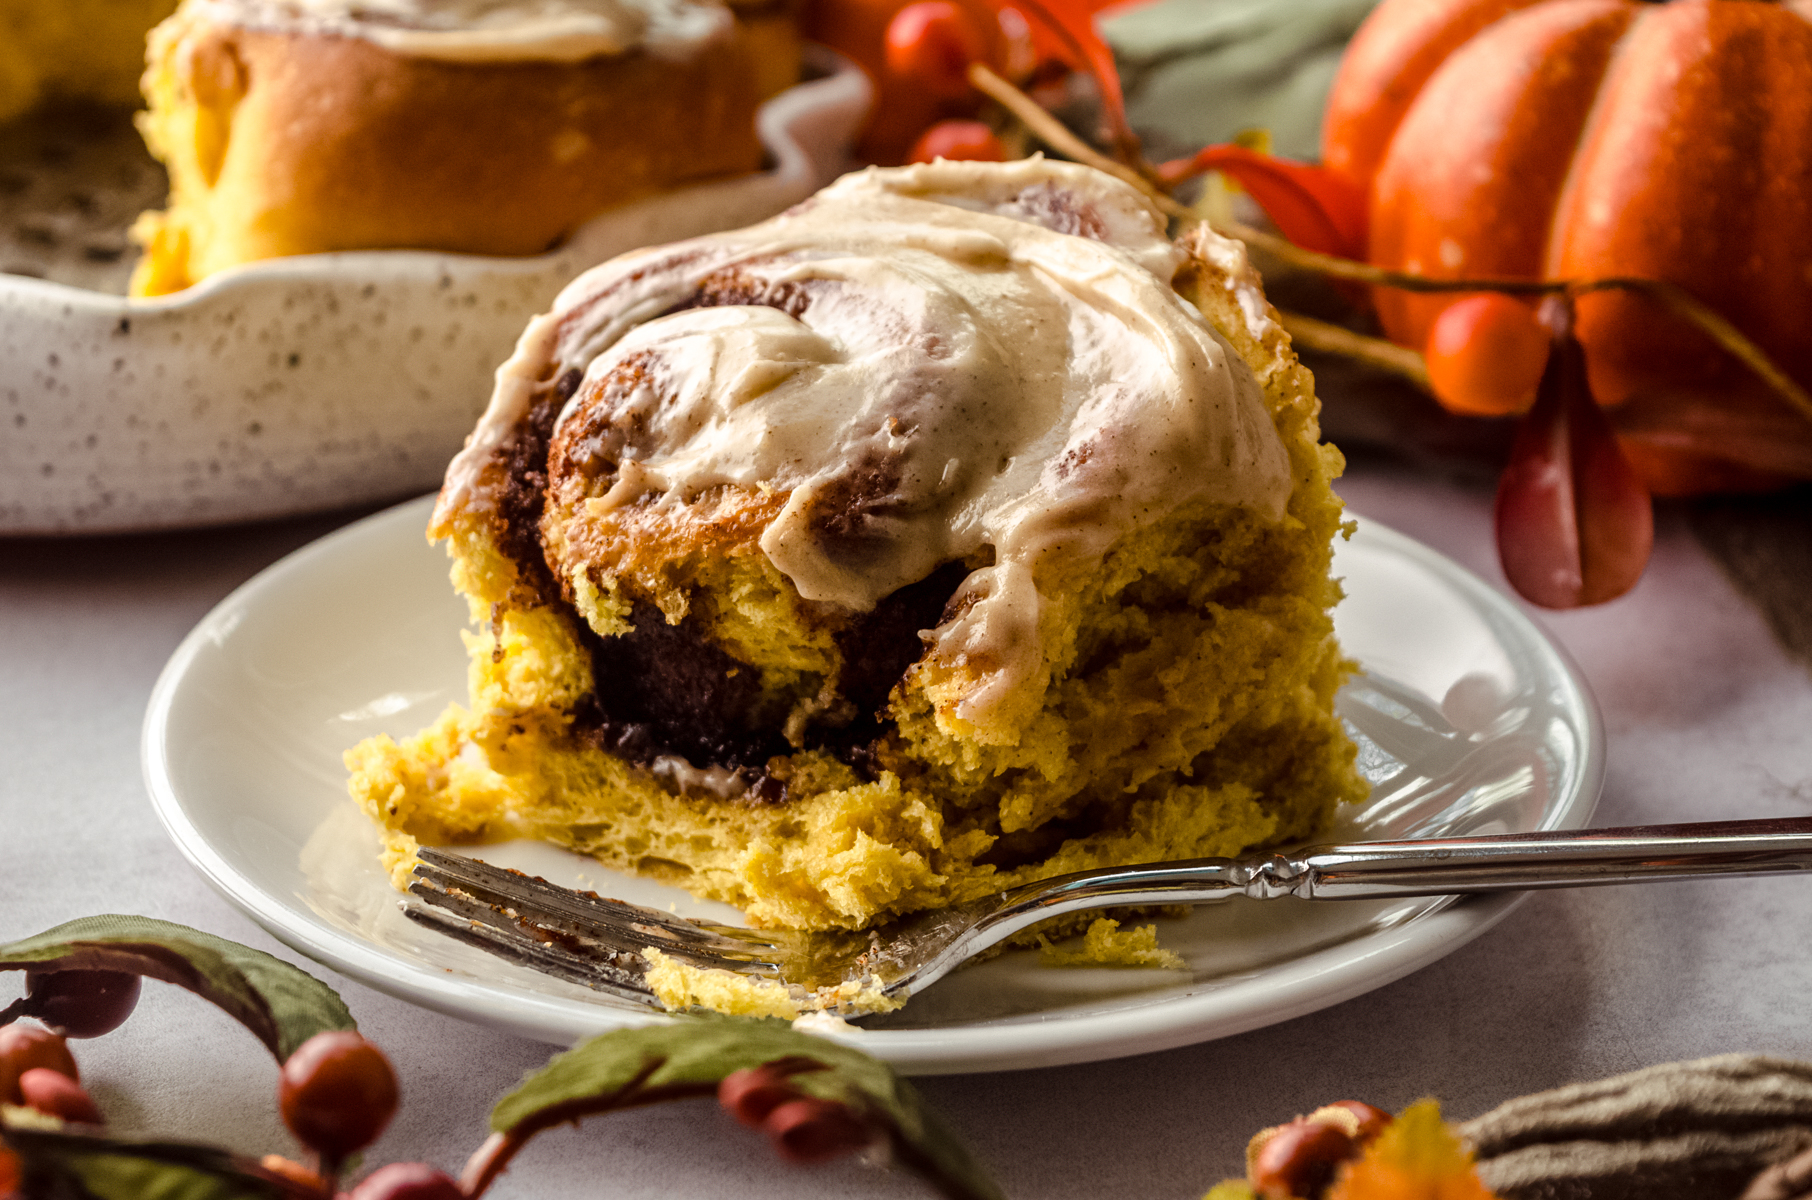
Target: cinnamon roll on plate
{"type": "Point", "coordinates": [953, 529]}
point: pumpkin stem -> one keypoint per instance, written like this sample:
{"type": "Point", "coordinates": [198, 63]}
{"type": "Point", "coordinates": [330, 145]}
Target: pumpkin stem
{"type": "Point", "coordinates": [1375, 352]}
{"type": "Point", "coordinates": [1574, 522]}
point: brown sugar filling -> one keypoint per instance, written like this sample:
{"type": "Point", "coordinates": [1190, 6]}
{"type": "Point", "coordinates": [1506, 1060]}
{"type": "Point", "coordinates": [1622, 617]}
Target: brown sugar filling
{"type": "Point", "coordinates": [664, 689]}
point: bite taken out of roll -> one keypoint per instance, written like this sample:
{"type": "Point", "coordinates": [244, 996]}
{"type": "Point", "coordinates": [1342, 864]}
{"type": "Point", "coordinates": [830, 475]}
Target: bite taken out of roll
{"type": "Point", "coordinates": [951, 530]}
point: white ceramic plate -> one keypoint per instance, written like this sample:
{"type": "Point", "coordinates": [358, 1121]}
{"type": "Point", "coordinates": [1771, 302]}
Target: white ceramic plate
{"type": "Point", "coordinates": [1469, 721]}
{"type": "Point", "coordinates": [324, 380]}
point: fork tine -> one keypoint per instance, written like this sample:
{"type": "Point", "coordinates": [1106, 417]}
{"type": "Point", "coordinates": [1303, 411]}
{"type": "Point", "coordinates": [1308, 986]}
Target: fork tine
{"type": "Point", "coordinates": [439, 913]}
{"type": "Point", "coordinates": [599, 942]}
{"type": "Point", "coordinates": [521, 906]}
{"type": "Point", "coordinates": [516, 888]}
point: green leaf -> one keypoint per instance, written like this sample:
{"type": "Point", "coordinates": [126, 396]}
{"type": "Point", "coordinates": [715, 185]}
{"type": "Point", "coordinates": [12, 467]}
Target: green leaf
{"type": "Point", "coordinates": [689, 1056]}
{"type": "Point", "coordinates": [86, 1166]}
{"type": "Point", "coordinates": [282, 1005]}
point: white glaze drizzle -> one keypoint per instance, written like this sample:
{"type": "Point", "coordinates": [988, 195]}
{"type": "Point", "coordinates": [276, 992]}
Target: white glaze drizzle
{"type": "Point", "coordinates": [491, 30]}
{"type": "Point", "coordinates": [1033, 391]}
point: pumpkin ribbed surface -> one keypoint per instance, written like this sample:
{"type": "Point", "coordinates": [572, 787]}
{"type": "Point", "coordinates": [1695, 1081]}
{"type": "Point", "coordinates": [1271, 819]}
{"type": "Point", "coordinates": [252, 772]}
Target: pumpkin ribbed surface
{"type": "Point", "coordinates": [1586, 139]}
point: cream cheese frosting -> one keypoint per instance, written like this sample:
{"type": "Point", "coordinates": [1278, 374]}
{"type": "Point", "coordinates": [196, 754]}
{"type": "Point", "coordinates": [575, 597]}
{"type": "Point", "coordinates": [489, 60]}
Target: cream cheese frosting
{"type": "Point", "coordinates": [941, 359]}
{"type": "Point", "coordinates": [492, 30]}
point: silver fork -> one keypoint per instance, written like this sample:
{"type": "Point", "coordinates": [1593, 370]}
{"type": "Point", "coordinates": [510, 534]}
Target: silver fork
{"type": "Point", "coordinates": [599, 942]}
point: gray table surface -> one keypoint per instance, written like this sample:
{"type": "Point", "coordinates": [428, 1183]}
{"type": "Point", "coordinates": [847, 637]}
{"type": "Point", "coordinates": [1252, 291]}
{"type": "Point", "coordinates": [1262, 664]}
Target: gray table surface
{"type": "Point", "coordinates": [1708, 718]}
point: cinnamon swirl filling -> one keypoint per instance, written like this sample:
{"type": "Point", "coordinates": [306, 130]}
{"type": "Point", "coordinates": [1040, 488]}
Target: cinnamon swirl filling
{"type": "Point", "coordinates": [912, 398]}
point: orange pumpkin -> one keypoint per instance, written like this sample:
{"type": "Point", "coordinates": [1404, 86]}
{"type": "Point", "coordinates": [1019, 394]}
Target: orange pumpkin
{"type": "Point", "coordinates": [1586, 139]}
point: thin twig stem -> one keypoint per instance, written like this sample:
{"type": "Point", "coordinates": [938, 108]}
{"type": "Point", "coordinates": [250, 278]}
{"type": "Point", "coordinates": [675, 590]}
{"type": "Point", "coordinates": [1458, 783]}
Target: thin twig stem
{"type": "Point", "coordinates": [1689, 307]}
{"type": "Point", "coordinates": [1337, 339]}
{"type": "Point", "coordinates": [1051, 131]}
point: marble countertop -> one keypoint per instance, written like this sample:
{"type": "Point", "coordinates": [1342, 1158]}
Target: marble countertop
{"type": "Point", "coordinates": [1708, 717]}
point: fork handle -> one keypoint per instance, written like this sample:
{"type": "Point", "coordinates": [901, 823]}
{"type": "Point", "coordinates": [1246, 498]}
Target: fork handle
{"type": "Point", "coordinates": [1431, 867]}
{"type": "Point", "coordinates": [1522, 861]}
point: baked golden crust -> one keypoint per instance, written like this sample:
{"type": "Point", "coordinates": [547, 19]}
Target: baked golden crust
{"type": "Point", "coordinates": [290, 142]}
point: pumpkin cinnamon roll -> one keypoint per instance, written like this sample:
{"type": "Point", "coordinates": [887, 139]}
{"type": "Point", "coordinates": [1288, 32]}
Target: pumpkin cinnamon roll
{"type": "Point", "coordinates": [477, 126]}
{"type": "Point", "coordinates": [953, 529]}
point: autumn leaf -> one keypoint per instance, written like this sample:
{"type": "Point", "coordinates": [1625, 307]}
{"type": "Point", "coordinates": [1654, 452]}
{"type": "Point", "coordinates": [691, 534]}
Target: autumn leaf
{"type": "Point", "coordinates": [282, 1005]}
{"type": "Point", "coordinates": [1574, 523]}
{"type": "Point", "coordinates": [99, 1166]}
{"type": "Point", "coordinates": [1416, 1157]}
{"type": "Point", "coordinates": [689, 1057]}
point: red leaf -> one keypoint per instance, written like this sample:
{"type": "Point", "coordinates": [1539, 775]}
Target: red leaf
{"type": "Point", "coordinates": [1314, 208]}
{"type": "Point", "coordinates": [1574, 523]}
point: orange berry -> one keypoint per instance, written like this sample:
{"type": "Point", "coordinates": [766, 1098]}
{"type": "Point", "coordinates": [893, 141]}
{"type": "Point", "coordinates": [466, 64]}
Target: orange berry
{"type": "Point", "coordinates": [12, 1174]}
{"type": "Point", "coordinates": [932, 43]}
{"type": "Point", "coordinates": [23, 1047]}
{"type": "Point", "coordinates": [1486, 355]}
{"type": "Point", "coordinates": [959, 141]}
{"type": "Point", "coordinates": [57, 1095]}
{"type": "Point", "coordinates": [82, 1004]}
{"type": "Point", "coordinates": [337, 1092]}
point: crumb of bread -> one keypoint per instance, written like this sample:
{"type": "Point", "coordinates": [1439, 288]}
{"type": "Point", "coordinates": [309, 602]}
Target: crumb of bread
{"type": "Point", "coordinates": [679, 986]}
{"type": "Point", "coordinates": [1107, 945]}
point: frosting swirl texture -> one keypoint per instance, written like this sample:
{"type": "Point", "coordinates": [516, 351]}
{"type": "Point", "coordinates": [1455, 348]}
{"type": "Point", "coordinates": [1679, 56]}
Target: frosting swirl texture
{"type": "Point", "coordinates": [949, 362]}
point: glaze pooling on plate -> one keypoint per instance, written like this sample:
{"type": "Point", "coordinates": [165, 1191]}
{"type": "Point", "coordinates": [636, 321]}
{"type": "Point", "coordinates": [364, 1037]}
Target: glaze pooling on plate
{"type": "Point", "coordinates": [1469, 721]}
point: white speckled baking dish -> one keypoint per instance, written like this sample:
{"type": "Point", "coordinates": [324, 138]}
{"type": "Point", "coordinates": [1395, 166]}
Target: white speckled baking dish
{"type": "Point", "coordinates": [326, 380]}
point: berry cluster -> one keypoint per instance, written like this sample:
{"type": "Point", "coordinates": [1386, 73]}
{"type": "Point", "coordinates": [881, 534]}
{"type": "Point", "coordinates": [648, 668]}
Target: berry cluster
{"type": "Point", "coordinates": [36, 1068]}
{"type": "Point", "coordinates": [928, 47]}
{"type": "Point", "coordinates": [804, 1129]}
{"type": "Point", "coordinates": [37, 1071]}
{"type": "Point", "coordinates": [337, 1093]}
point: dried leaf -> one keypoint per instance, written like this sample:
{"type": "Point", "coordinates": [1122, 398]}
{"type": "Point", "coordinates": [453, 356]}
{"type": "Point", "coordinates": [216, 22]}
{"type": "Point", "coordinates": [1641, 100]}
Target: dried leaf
{"type": "Point", "coordinates": [1417, 1157]}
{"type": "Point", "coordinates": [690, 1056]}
{"type": "Point", "coordinates": [1574, 522]}
{"type": "Point", "coordinates": [282, 1005]}
{"type": "Point", "coordinates": [100, 1167]}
